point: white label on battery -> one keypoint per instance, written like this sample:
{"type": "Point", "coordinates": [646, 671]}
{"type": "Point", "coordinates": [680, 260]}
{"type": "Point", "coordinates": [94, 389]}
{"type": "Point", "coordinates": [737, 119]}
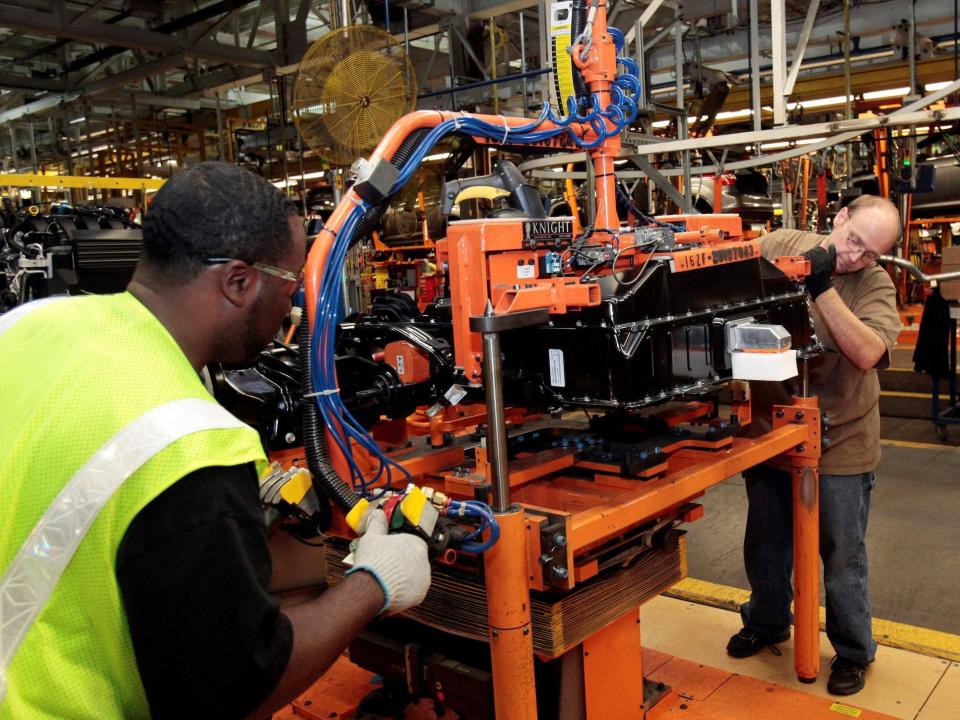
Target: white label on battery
{"type": "Point", "coordinates": [557, 377]}
{"type": "Point", "coordinates": [400, 365]}
{"type": "Point", "coordinates": [526, 271]}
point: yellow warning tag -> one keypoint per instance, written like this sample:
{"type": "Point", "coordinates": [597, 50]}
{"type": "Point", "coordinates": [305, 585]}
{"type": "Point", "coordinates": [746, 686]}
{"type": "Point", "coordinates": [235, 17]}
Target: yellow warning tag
{"type": "Point", "coordinates": [847, 710]}
{"type": "Point", "coordinates": [561, 25]}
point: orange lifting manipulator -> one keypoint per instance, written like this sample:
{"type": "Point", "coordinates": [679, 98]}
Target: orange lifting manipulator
{"type": "Point", "coordinates": [492, 251]}
{"type": "Point", "coordinates": [597, 61]}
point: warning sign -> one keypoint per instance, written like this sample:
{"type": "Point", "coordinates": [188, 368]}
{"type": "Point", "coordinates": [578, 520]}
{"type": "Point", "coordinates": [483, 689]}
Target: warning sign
{"type": "Point", "coordinates": [561, 38]}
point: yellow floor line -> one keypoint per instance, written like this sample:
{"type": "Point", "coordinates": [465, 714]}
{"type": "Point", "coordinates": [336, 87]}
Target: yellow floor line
{"type": "Point", "coordinates": [944, 394]}
{"type": "Point", "coordinates": [918, 445]}
{"type": "Point", "coordinates": [924, 641]}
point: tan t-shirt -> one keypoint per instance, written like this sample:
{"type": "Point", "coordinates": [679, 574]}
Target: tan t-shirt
{"type": "Point", "coordinates": [849, 396]}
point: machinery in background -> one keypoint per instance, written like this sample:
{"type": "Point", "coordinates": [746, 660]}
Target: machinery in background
{"type": "Point", "coordinates": [84, 249]}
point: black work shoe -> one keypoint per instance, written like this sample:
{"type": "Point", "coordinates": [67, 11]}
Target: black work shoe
{"type": "Point", "coordinates": [846, 677]}
{"type": "Point", "coordinates": [747, 642]}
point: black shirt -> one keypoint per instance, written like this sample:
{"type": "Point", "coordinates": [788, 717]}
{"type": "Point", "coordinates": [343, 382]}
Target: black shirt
{"type": "Point", "coordinates": [193, 570]}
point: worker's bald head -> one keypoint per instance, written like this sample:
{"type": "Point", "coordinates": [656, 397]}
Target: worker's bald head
{"type": "Point", "coordinates": [885, 212]}
{"type": "Point", "coordinates": [863, 231]}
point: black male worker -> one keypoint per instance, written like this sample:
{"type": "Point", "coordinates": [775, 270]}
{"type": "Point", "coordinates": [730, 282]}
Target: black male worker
{"type": "Point", "coordinates": [853, 307]}
{"type": "Point", "coordinates": [133, 547]}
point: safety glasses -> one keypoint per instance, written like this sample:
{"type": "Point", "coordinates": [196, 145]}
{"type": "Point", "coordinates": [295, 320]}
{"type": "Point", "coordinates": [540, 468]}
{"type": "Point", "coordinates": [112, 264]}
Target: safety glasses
{"type": "Point", "coordinates": [292, 281]}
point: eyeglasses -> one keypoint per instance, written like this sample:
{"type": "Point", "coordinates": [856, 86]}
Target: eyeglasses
{"type": "Point", "coordinates": [857, 244]}
{"type": "Point", "coordinates": [292, 281]}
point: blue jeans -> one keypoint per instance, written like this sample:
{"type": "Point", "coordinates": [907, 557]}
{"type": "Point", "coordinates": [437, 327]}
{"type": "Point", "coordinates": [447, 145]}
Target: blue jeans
{"type": "Point", "coordinates": [768, 556]}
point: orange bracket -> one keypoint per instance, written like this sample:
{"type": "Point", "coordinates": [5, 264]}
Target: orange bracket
{"type": "Point", "coordinates": [803, 411]}
{"type": "Point", "coordinates": [795, 267]}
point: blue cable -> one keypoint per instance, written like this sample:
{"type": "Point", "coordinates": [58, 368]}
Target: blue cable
{"type": "Point", "coordinates": [343, 427]}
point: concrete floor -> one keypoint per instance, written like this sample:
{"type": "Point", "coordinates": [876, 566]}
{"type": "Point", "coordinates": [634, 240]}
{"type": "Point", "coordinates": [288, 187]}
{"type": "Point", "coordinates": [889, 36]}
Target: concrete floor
{"type": "Point", "coordinates": [913, 539]}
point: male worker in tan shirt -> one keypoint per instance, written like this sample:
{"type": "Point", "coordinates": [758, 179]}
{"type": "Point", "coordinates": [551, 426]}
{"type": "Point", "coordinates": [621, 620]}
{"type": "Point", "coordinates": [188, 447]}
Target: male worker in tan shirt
{"type": "Point", "coordinates": [855, 317]}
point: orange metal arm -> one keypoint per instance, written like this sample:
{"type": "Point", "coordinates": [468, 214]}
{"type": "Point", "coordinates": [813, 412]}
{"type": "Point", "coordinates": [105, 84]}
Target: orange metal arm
{"type": "Point", "coordinates": [599, 70]}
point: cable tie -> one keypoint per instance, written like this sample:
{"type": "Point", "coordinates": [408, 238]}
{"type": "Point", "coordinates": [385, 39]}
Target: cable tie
{"type": "Point", "coordinates": [322, 393]}
{"type": "Point", "coordinates": [330, 230]}
{"type": "Point", "coordinates": [506, 130]}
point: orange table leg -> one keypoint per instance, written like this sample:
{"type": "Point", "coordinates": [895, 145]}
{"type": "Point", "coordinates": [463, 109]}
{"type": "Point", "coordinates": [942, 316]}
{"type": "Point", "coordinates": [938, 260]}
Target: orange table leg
{"type": "Point", "coordinates": [612, 670]}
{"type": "Point", "coordinates": [508, 612]}
{"type": "Point", "coordinates": [805, 459]}
{"type": "Point", "coordinates": [806, 572]}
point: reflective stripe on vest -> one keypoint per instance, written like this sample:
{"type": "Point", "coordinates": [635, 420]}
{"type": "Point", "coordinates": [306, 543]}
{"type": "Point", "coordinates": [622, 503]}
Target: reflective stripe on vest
{"type": "Point", "coordinates": [35, 570]}
{"type": "Point", "coordinates": [18, 313]}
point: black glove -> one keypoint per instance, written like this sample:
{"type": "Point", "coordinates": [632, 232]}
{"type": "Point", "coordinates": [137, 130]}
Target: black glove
{"type": "Point", "coordinates": [822, 264]}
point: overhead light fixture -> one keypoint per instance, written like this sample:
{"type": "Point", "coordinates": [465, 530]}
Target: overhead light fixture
{"type": "Point", "coordinates": [77, 120]}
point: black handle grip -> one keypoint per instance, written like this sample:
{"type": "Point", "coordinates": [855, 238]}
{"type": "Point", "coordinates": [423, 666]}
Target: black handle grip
{"type": "Point", "coordinates": [507, 178]}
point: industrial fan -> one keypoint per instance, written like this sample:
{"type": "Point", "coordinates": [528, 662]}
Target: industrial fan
{"type": "Point", "coordinates": [352, 85]}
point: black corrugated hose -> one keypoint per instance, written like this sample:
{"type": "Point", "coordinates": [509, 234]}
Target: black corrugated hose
{"type": "Point", "coordinates": [578, 21]}
{"type": "Point", "coordinates": [326, 481]}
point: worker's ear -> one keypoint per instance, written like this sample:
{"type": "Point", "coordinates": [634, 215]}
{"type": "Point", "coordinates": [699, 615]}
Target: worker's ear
{"type": "Point", "coordinates": [239, 283]}
{"type": "Point", "coordinates": [841, 217]}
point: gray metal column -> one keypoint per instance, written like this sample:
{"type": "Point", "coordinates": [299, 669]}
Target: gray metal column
{"type": "Point", "coordinates": [490, 326]}
{"type": "Point", "coordinates": [219, 129]}
{"type": "Point", "coordinates": [641, 63]}
{"type": "Point", "coordinates": [523, 64]}
{"type": "Point", "coordinates": [778, 34]}
{"type": "Point", "coordinates": [35, 192]}
{"type": "Point", "coordinates": [755, 68]}
{"type": "Point", "coordinates": [13, 148]}
{"type": "Point", "coordinates": [682, 131]}
{"type": "Point", "coordinates": [496, 424]}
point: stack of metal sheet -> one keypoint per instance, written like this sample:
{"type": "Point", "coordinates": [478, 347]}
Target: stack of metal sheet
{"type": "Point", "coordinates": [457, 600]}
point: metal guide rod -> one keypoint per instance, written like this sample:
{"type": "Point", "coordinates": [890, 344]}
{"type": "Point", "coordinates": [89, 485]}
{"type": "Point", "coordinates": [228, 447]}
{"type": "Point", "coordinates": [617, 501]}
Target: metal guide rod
{"type": "Point", "coordinates": [490, 325]}
{"type": "Point", "coordinates": [496, 425]}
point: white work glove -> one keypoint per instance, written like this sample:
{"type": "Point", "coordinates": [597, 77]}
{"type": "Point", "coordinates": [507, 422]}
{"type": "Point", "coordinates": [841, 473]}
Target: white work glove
{"type": "Point", "coordinates": [398, 562]}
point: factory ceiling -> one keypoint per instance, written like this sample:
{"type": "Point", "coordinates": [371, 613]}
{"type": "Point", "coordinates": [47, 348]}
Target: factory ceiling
{"type": "Point", "coordinates": [110, 60]}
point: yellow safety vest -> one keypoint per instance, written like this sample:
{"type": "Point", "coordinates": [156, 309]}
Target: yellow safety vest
{"type": "Point", "coordinates": [102, 412]}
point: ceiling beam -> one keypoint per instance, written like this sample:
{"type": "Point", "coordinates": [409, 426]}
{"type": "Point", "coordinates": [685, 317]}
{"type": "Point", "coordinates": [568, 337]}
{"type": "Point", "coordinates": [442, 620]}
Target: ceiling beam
{"type": "Point", "coordinates": [102, 85]}
{"type": "Point", "coordinates": [130, 37]}
{"type": "Point", "coordinates": [154, 67]}
{"type": "Point", "coordinates": [89, 9]}
{"type": "Point", "coordinates": [137, 97]}
{"type": "Point", "coordinates": [22, 82]}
